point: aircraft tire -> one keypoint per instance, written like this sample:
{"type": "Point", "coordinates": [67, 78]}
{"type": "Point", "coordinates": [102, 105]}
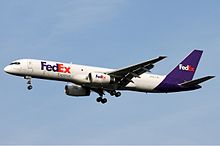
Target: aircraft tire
{"type": "Point", "coordinates": [29, 87]}
{"type": "Point", "coordinates": [104, 100]}
{"type": "Point", "coordinates": [118, 94]}
{"type": "Point", "coordinates": [112, 93]}
{"type": "Point", "coordinates": [99, 99]}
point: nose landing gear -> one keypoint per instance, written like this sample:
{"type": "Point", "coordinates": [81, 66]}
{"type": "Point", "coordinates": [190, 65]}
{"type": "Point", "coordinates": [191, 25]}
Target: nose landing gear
{"type": "Point", "coordinates": [29, 87]}
{"type": "Point", "coordinates": [28, 78]}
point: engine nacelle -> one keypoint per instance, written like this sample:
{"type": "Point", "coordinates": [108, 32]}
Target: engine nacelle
{"type": "Point", "coordinates": [100, 78]}
{"type": "Point", "coordinates": [76, 90]}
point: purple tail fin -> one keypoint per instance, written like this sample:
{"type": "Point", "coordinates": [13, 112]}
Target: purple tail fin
{"type": "Point", "coordinates": [186, 69]}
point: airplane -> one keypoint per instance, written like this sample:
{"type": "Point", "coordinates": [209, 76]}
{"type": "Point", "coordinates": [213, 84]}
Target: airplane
{"type": "Point", "coordinates": [82, 80]}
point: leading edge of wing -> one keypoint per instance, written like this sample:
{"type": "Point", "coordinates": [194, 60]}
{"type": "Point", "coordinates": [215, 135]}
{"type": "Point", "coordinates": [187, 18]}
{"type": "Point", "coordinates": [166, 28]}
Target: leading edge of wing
{"type": "Point", "coordinates": [147, 65]}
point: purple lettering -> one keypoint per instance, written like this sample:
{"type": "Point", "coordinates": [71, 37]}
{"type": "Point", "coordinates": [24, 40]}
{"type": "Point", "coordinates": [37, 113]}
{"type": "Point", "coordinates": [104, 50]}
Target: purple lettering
{"type": "Point", "coordinates": [55, 68]}
{"type": "Point", "coordinates": [49, 67]}
{"type": "Point", "coordinates": [43, 64]}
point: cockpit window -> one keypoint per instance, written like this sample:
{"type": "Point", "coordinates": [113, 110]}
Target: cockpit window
{"type": "Point", "coordinates": [15, 63]}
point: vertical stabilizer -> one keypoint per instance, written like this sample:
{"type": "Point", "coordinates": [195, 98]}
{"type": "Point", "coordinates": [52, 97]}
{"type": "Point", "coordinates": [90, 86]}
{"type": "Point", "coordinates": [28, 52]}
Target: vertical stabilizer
{"type": "Point", "coordinates": [186, 69]}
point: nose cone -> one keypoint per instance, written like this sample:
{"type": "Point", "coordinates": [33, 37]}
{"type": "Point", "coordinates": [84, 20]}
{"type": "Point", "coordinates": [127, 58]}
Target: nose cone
{"type": "Point", "coordinates": [7, 69]}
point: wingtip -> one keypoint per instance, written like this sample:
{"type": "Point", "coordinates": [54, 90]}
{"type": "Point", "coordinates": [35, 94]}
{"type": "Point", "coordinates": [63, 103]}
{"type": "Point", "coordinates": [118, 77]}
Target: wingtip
{"type": "Point", "coordinates": [211, 77]}
{"type": "Point", "coordinates": [162, 57]}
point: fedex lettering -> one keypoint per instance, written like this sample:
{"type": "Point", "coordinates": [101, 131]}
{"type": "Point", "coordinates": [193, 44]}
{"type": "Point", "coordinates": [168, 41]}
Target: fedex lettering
{"type": "Point", "coordinates": [55, 68]}
{"type": "Point", "coordinates": [186, 68]}
{"type": "Point", "coordinates": [100, 76]}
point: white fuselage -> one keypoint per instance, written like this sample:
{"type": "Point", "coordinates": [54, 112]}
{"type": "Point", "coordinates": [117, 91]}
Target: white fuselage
{"type": "Point", "coordinates": [82, 80]}
{"type": "Point", "coordinates": [77, 74]}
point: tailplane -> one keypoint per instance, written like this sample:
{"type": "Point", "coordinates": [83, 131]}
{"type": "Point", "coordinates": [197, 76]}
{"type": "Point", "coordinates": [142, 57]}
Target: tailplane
{"type": "Point", "coordinates": [186, 69]}
{"type": "Point", "coordinates": [196, 81]}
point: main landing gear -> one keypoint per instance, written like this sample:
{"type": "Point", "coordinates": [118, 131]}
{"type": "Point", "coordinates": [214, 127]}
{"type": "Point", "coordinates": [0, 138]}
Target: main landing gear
{"type": "Point", "coordinates": [101, 99]}
{"type": "Point", "coordinates": [104, 100]}
{"type": "Point", "coordinates": [114, 93]}
{"type": "Point", "coordinates": [28, 78]}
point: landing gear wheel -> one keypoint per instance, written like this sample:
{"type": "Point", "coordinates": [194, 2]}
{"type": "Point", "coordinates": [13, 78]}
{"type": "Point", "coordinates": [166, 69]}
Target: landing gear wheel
{"type": "Point", "coordinates": [118, 94]}
{"type": "Point", "coordinates": [104, 100]}
{"type": "Point", "coordinates": [112, 93]}
{"type": "Point", "coordinates": [29, 87]}
{"type": "Point", "coordinates": [99, 99]}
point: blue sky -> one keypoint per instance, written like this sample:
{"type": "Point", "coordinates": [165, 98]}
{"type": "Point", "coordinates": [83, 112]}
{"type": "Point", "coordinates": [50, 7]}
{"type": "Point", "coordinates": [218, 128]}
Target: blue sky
{"type": "Point", "coordinates": [109, 34]}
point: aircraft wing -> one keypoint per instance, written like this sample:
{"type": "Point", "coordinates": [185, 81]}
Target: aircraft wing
{"type": "Point", "coordinates": [196, 81]}
{"type": "Point", "coordinates": [125, 75]}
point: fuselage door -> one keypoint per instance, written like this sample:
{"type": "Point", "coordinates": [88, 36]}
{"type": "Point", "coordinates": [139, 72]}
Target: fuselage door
{"type": "Point", "coordinates": [29, 65]}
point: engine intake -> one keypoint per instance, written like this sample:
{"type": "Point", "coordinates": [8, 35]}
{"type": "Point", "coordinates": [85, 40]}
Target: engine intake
{"type": "Point", "coordinates": [100, 78]}
{"type": "Point", "coordinates": [76, 90]}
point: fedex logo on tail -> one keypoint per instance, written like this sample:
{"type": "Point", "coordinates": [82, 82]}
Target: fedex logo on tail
{"type": "Point", "coordinates": [55, 68]}
{"type": "Point", "coordinates": [186, 68]}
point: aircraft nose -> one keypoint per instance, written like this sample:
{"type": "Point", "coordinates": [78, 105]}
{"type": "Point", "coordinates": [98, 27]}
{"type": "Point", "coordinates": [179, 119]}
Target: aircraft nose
{"type": "Point", "coordinates": [7, 69]}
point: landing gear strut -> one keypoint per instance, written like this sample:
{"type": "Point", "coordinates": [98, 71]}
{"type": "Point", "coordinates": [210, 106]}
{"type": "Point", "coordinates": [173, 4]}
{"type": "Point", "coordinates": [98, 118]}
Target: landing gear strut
{"type": "Point", "coordinates": [29, 87]}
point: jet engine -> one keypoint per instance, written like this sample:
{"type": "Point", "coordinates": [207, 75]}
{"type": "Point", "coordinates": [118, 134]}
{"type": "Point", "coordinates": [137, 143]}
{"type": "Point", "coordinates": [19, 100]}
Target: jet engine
{"type": "Point", "coordinates": [100, 78]}
{"type": "Point", "coordinates": [76, 90]}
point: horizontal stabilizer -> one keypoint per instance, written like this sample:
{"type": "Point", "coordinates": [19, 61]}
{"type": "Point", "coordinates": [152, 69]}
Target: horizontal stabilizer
{"type": "Point", "coordinates": [196, 81]}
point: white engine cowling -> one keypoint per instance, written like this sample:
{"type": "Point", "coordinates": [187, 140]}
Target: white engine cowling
{"type": "Point", "coordinates": [76, 90]}
{"type": "Point", "coordinates": [100, 78]}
